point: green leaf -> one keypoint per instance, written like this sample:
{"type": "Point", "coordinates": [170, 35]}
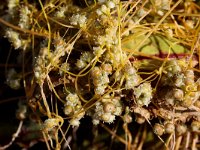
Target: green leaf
{"type": "Point", "coordinates": [154, 45]}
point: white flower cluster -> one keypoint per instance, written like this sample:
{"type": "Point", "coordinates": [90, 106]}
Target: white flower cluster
{"type": "Point", "coordinates": [161, 6]}
{"type": "Point", "coordinates": [141, 114]}
{"type": "Point", "coordinates": [98, 51]}
{"type": "Point", "coordinates": [183, 88]}
{"type": "Point", "coordinates": [110, 1]}
{"type": "Point", "coordinates": [40, 65]}
{"type": "Point", "coordinates": [172, 68]}
{"type": "Point", "coordinates": [50, 123]}
{"type": "Point", "coordinates": [12, 4]}
{"type": "Point", "coordinates": [109, 38]}
{"type": "Point", "coordinates": [106, 110]}
{"type": "Point", "coordinates": [143, 94]}
{"type": "Point", "coordinates": [78, 20]}
{"type": "Point", "coordinates": [60, 47]}
{"type": "Point", "coordinates": [85, 58]}
{"type": "Point", "coordinates": [132, 78]}
{"type": "Point", "coordinates": [61, 12]}
{"type": "Point", "coordinates": [100, 80]}
{"type": "Point", "coordinates": [115, 56]}
{"type": "Point", "coordinates": [141, 12]}
{"type": "Point", "coordinates": [64, 67]}
{"type": "Point", "coordinates": [179, 80]}
{"type": "Point", "coordinates": [47, 58]}
{"type": "Point", "coordinates": [25, 21]}
{"type": "Point", "coordinates": [101, 1]}
{"type": "Point", "coordinates": [16, 40]}
{"type": "Point", "coordinates": [72, 99]}
{"type": "Point", "coordinates": [74, 109]}
{"type": "Point", "coordinates": [109, 42]}
{"type": "Point", "coordinates": [105, 8]}
{"type": "Point", "coordinates": [13, 79]}
{"type": "Point", "coordinates": [191, 92]}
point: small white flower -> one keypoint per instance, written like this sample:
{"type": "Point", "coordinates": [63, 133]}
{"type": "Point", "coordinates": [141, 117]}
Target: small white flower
{"type": "Point", "coordinates": [78, 19]}
{"type": "Point", "coordinates": [80, 63]}
{"type": "Point", "coordinates": [82, 20]}
{"type": "Point", "coordinates": [14, 38]}
{"type": "Point", "coordinates": [100, 90]}
{"type": "Point", "coordinates": [141, 12]}
{"type": "Point", "coordinates": [132, 81]}
{"type": "Point", "coordinates": [101, 1]}
{"type": "Point", "coordinates": [74, 122]}
{"type": "Point", "coordinates": [37, 74]}
{"type": "Point", "coordinates": [98, 51]}
{"type": "Point", "coordinates": [190, 23]}
{"type": "Point", "coordinates": [143, 94]}
{"type": "Point", "coordinates": [12, 4]}
{"type": "Point", "coordinates": [61, 12]}
{"type": "Point", "coordinates": [105, 9]}
{"type": "Point", "coordinates": [72, 99]}
{"type": "Point", "coordinates": [24, 22]}
{"type": "Point", "coordinates": [161, 13]}
{"type": "Point", "coordinates": [95, 121]}
{"type": "Point", "coordinates": [166, 4]}
{"type": "Point", "coordinates": [87, 56]}
{"type": "Point", "coordinates": [110, 4]}
{"type": "Point", "coordinates": [50, 123]}
{"type": "Point", "coordinates": [13, 79]}
{"type": "Point", "coordinates": [108, 117]}
{"type": "Point", "coordinates": [99, 12]}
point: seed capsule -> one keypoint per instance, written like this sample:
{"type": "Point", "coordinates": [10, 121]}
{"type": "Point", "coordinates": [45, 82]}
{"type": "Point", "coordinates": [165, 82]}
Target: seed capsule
{"type": "Point", "coordinates": [158, 129]}
{"type": "Point", "coordinates": [195, 126]}
{"type": "Point", "coordinates": [140, 119]}
{"type": "Point", "coordinates": [188, 99]}
{"type": "Point", "coordinates": [169, 127]}
{"type": "Point", "coordinates": [197, 103]}
{"type": "Point", "coordinates": [81, 64]}
{"type": "Point", "coordinates": [143, 112]}
{"type": "Point", "coordinates": [109, 107]}
{"type": "Point", "coordinates": [189, 74]}
{"type": "Point", "coordinates": [181, 129]}
{"type": "Point", "coordinates": [80, 114]}
{"type": "Point", "coordinates": [178, 94]}
{"type": "Point", "coordinates": [107, 117]}
{"type": "Point", "coordinates": [189, 81]}
{"type": "Point", "coordinates": [127, 118]}
{"type": "Point", "coordinates": [74, 122]}
{"type": "Point", "coordinates": [107, 68]}
{"type": "Point", "coordinates": [95, 72]}
{"type": "Point", "coordinates": [68, 110]}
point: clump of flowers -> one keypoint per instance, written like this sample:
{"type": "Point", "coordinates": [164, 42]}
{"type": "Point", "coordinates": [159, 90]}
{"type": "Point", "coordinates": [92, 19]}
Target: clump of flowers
{"type": "Point", "coordinates": [106, 110]}
{"type": "Point", "coordinates": [114, 62]}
